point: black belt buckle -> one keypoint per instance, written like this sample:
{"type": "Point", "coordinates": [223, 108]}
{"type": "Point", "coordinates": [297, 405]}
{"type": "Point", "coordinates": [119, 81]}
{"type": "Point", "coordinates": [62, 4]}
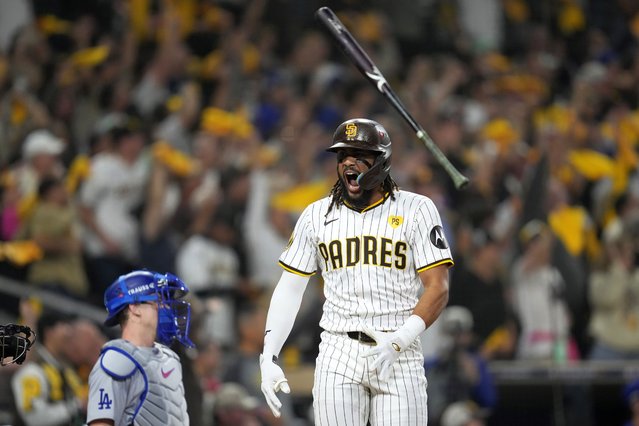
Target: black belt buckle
{"type": "Point", "coordinates": [361, 337]}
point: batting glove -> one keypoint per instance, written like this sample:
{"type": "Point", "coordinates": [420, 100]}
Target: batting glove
{"type": "Point", "coordinates": [273, 380]}
{"type": "Point", "coordinates": [390, 345]}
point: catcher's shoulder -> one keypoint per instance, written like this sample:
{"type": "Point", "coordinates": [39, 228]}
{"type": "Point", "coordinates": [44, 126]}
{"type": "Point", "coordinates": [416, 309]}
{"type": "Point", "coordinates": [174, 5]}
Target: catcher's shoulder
{"type": "Point", "coordinates": [116, 359]}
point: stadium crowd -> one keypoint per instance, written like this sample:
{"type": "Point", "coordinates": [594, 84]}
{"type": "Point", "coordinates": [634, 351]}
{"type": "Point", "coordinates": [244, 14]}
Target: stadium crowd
{"type": "Point", "coordinates": [186, 137]}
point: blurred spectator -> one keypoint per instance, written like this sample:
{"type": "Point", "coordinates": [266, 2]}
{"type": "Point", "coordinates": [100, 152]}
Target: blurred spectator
{"type": "Point", "coordinates": [230, 212]}
{"type": "Point", "coordinates": [177, 126]}
{"type": "Point", "coordinates": [152, 90]}
{"type": "Point", "coordinates": [211, 267]}
{"type": "Point", "coordinates": [22, 109]}
{"type": "Point", "coordinates": [201, 191]}
{"type": "Point", "coordinates": [108, 202]}
{"type": "Point", "coordinates": [244, 369]}
{"type": "Point", "coordinates": [478, 286]}
{"type": "Point", "coordinates": [13, 16]}
{"type": "Point", "coordinates": [457, 372]}
{"type": "Point", "coordinates": [480, 23]}
{"type": "Point", "coordinates": [235, 407]}
{"type": "Point", "coordinates": [40, 160]}
{"type": "Point", "coordinates": [47, 390]}
{"type": "Point", "coordinates": [462, 413]}
{"type": "Point", "coordinates": [267, 229]}
{"type": "Point", "coordinates": [158, 239]}
{"type": "Point", "coordinates": [614, 294]}
{"type": "Point", "coordinates": [84, 349]}
{"type": "Point", "coordinates": [53, 225]}
{"type": "Point", "coordinates": [207, 365]}
{"type": "Point", "coordinates": [537, 289]}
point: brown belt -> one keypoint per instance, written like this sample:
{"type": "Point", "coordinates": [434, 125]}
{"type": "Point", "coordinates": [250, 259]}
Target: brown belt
{"type": "Point", "coordinates": [361, 337]}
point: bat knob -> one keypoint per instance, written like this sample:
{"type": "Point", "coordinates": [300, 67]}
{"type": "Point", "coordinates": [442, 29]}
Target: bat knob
{"type": "Point", "coordinates": [460, 181]}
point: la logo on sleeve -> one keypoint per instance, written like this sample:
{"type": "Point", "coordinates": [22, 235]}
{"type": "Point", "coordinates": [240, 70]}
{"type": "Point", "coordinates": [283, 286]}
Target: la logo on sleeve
{"type": "Point", "coordinates": [104, 402]}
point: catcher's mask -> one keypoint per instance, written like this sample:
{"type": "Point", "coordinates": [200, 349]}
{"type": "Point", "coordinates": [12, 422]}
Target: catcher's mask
{"type": "Point", "coordinates": [15, 341]}
{"type": "Point", "coordinates": [174, 316]}
{"type": "Point", "coordinates": [367, 135]}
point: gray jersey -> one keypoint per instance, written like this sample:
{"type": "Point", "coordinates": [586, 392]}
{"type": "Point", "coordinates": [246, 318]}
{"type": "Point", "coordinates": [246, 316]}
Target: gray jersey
{"type": "Point", "coordinates": [137, 385]}
{"type": "Point", "coordinates": [370, 260]}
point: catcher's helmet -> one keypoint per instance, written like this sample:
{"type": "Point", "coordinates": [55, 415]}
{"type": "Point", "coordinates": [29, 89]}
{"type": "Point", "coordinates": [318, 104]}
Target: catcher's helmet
{"type": "Point", "coordinates": [174, 316]}
{"type": "Point", "coordinates": [368, 135]}
{"type": "Point", "coordinates": [15, 341]}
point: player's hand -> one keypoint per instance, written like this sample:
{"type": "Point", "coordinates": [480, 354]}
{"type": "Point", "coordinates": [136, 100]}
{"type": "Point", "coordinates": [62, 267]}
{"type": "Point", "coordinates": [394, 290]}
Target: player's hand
{"type": "Point", "coordinates": [385, 353]}
{"type": "Point", "coordinates": [273, 380]}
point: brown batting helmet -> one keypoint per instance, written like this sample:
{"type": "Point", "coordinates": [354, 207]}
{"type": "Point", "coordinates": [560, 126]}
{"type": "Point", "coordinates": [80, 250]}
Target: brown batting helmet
{"type": "Point", "coordinates": [368, 135]}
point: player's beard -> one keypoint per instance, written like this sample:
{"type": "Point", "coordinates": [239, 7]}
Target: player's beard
{"type": "Point", "coordinates": [358, 201]}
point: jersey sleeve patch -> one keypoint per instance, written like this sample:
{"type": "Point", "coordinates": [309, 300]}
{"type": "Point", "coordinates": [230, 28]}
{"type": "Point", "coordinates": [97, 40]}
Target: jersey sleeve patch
{"type": "Point", "coordinates": [437, 237]}
{"type": "Point", "coordinates": [117, 363]}
{"type": "Point", "coordinates": [295, 271]}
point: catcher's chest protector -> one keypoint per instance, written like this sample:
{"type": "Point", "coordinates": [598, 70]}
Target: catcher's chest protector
{"type": "Point", "coordinates": [162, 402]}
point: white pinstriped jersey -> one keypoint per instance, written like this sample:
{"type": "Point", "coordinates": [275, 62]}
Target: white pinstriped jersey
{"type": "Point", "coordinates": [370, 260]}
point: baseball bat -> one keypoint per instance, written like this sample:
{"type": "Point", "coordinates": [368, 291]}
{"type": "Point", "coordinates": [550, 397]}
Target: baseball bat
{"type": "Point", "coordinates": [367, 67]}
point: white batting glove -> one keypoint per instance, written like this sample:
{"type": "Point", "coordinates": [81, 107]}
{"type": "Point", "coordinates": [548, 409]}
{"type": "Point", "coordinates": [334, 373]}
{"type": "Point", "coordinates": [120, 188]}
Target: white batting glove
{"type": "Point", "coordinates": [391, 345]}
{"type": "Point", "coordinates": [273, 380]}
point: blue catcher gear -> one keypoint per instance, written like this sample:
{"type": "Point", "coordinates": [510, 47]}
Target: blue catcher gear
{"type": "Point", "coordinates": [174, 316]}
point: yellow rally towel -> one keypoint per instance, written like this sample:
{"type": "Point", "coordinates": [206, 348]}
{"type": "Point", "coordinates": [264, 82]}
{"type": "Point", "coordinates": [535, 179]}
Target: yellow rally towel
{"type": "Point", "coordinates": [294, 200]}
{"type": "Point", "coordinates": [20, 253]}
{"type": "Point", "coordinates": [78, 171]}
{"type": "Point", "coordinates": [225, 123]}
{"type": "Point", "coordinates": [572, 227]}
{"type": "Point", "coordinates": [90, 57]}
{"type": "Point", "coordinates": [592, 164]}
{"type": "Point", "coordinates": [176, 161]}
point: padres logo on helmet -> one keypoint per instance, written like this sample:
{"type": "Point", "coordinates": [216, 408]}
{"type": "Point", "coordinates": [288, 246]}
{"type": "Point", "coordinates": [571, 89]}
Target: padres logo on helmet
{"type": "Point", "coordinates": [351, 131]}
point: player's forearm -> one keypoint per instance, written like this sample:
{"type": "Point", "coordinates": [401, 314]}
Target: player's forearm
{"type": "Point", "coordinates": [285, 303]}
{"type": "Point", "coordinates": [435, 296]}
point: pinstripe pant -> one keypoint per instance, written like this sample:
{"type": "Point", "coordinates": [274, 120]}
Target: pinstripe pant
{"type": "Point", "coordinates": [346, 392]}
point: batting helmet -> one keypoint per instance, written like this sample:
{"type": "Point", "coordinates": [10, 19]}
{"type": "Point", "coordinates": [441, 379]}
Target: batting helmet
{"type": "Point", "coordinates": [174, 316]}
{"type": "Point", "coordinates": [368, 135]}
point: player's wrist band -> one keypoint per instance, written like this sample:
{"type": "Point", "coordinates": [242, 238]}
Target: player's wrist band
{"type": "Point", "coordinates": [413, 327]}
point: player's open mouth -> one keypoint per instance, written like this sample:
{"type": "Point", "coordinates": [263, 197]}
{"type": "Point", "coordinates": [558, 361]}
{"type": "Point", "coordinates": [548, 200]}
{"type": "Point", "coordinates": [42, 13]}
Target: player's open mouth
{"type": "Point", "coordinates": [350, 177]}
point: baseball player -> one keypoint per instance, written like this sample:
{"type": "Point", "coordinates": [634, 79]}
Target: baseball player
{"type": "Point", "coordinates": [47, 389]}
{"type": "Point", "coordinates": [137, 381]}
{"type": "Point", "coordinates": [384, 260]}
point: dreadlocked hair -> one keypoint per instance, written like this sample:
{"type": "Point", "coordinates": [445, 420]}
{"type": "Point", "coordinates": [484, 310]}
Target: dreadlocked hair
{"type": "Point", "coordinates": [389, 186]}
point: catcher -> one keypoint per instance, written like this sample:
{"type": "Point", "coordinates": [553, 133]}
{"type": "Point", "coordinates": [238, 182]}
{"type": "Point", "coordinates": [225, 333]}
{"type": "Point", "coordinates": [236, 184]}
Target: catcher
{"type": "Point", "coordinates": [138, 381]}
